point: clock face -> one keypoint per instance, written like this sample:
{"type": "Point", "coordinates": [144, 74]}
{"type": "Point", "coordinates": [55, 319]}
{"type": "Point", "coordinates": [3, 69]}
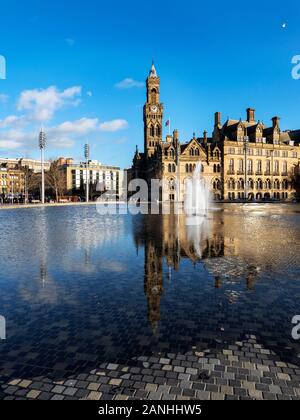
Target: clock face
{"type": "Point", "coordinates": [154, 108]}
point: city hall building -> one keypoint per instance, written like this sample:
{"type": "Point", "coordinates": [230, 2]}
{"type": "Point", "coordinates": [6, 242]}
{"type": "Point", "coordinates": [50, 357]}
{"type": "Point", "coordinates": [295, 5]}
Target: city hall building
{"type": "Point", "coordinates": [242, 159]}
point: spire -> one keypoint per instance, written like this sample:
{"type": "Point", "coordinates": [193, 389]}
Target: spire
{"type": "Point", "coordinates": [153, 70]}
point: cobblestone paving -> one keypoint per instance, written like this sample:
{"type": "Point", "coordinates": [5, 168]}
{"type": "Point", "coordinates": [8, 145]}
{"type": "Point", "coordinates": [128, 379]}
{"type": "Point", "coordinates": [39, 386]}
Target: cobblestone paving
{"type": "Point", "coordinates": [245, 370]}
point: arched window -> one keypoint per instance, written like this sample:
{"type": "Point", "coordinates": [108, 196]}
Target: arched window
{"type": "Point", "coordinates": [216, 154]}
{"type": "Point", "coordinates": [277, 184]}
{"type": "Point", "coordinates": [268, 184]}
{"type": "Point", "coordinates": [231, 184]}
{"type": "Point", "coordinates": [259, 184]}
{"type": "Point", "coordinates": [170, 167]}
{"type": "Point", "coordinates": [197, 152]}
{"type": "Point", "coordinates": [216, 184]}
{"type": "Point", "coordinates": [158, 131]}
{"type": "Point", "coordinates": [285, 184]}
{"type": "Point", "coordinates": [153, 96]}
{"type": "Point", "coordinates": [215, 168]}
{"type": "Point", "coordinates": [192, 152]}
{"type": "Point", "coordinates": [152, 131]}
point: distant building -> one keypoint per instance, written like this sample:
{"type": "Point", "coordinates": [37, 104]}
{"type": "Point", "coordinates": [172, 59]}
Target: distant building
{"type": "Point", "coordinates": [101, 177]}
{"type": "Point", "coordinates": [12, 180]}
{"type": "Point", "coordinates": [242, 159]}
{"type": "Point", "coordinates": [32, 164]}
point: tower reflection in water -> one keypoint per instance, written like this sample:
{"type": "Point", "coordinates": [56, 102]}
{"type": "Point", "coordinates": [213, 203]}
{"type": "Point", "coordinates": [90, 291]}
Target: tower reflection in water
{"type": "Point", "coordinates": [170, 239]}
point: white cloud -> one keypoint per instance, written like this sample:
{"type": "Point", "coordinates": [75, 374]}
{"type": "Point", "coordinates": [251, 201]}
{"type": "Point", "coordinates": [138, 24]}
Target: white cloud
{"type": "Point", "coordinates": [20, 131]}
{"type": "Point", "coordinates": [78, 127]}
{"type": "Point", "coordinates": [43, 103]}
{"type": "Point", "coordinates": [3, 98]}
{"type": "Point", "coordinates": [129, 84]}
{"type": "Point", "coordinates": [9, 145]}
{"type": "Point", "coordinates": [70, 41]}
{"type": "Point", "coordinates": [115, 125]}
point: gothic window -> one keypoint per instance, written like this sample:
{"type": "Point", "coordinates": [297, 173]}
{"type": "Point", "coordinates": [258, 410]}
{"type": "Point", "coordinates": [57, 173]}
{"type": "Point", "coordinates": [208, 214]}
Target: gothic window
{"type": "Point", "coordinates": [153, 96]}
{"type": "Point", "coordinates": [152, 131]}
{"type": "Point", "coordinates": [277, 184]}
{"type": "Point", "coordinates": [250, 166]}
{"type": "Point", "coordinates": [231, 166]}
{"type": "Point", "coordinates": [259, 166]}
{"type": "Point", "coordinates": [259, 184]}
{"type": "Point", "coordinates": [217, 184]}
{"type": "Point", "coordinates": [241, 166]}
{"type": "Point", "coordinates": [192, 152]}
{"type": "Point", "coordinates": [231, 184]}
{"type": "Point", "coordinates": [158, 131]}
{"type": "Point", "coordinates": [197, 152]}
{"type": "Point", "coordinates": [284, 184]}
{"type": "Point", "coordinates": [284, 167]}
{"type": "Point", "coordinates": [276, 166]}
{"type": "Point", "coordinates": [216, 154]}
{"type": "Point", "coordinates": [170, 167]}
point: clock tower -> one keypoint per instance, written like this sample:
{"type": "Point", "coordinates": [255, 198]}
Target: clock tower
{"type": "Point", "coordinates": [153, 114]}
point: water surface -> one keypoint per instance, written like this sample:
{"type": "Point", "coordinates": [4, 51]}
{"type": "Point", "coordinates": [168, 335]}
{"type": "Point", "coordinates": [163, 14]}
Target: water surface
{"type": "Point", "coordinates": [78, 289]}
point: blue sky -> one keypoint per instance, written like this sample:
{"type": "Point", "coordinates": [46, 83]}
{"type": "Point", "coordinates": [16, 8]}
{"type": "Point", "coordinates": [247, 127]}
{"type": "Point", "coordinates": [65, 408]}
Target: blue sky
{"type": "Point", "coordinates": [65, 60]}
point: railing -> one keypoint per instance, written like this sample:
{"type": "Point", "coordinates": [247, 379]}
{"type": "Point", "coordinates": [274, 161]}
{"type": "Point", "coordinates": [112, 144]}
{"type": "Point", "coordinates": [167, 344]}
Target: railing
{"type": "Point", "coordinates": [231, 172]}
{"type": "Point", "coordinates": [258, 173]}
{"type": "Point", "coordinates": [240, 172]}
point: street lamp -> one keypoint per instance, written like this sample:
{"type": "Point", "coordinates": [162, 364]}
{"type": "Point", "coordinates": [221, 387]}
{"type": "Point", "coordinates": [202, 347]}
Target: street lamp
{"type": "Point", "coordinates": [87, 158]}
{"type": "Point", "coordinates": [42, 146]}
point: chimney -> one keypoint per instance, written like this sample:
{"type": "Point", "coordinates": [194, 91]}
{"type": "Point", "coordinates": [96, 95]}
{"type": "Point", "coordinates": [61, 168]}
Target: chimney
{"type": "Point", "coordinates": [175, 135]}
{"type": "Point", "coordinates": [275, 121]}
{"type": "Point", "coordinates": [205, 138]}
{"type": "Point", "coordinates": [251, 115]}
{"type": "Point", "coordinates": [218, 119]}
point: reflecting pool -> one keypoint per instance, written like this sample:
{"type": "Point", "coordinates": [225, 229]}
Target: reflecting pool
{"type": "Point", "coordinates": [79, 289]}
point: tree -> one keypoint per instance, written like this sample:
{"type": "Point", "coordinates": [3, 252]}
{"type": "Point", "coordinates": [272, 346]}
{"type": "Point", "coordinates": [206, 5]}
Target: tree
{"type": "Point", "coordinates": [56, 180]}
{"type": "Point", "coordinates": [31, 182]}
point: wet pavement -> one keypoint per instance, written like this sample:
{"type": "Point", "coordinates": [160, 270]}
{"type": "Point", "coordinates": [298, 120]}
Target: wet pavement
{"type": "Point", "coordinates": [150, 307]}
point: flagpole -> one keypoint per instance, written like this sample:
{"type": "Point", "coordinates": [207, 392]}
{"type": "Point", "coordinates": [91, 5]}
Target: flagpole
{"type": "Point", "coordinates": [169, 126]}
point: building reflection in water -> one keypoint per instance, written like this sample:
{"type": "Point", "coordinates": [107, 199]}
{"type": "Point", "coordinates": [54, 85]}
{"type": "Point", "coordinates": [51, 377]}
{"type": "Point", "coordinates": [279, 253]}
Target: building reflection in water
{"type": "Point", "coordinates": [218, 242]}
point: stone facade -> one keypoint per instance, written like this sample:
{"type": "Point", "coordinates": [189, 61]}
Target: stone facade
{"type": "Point", "coordinates": [12, 180]}
{"type": "Point", "coordinates": [241, 159]}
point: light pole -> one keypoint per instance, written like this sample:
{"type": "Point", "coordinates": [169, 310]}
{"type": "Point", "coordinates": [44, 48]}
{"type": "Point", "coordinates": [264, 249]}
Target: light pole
{"type": "Point", "coordinates": [246, 145]}
{"type": "Point", "coordinates": [42, 145]}
{"type": "Point", "coordinates": [87, 158]}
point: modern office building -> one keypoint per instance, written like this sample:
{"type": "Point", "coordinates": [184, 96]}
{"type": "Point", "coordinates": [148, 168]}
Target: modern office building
{"type": "Point", "coordinates": [102, 178]}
